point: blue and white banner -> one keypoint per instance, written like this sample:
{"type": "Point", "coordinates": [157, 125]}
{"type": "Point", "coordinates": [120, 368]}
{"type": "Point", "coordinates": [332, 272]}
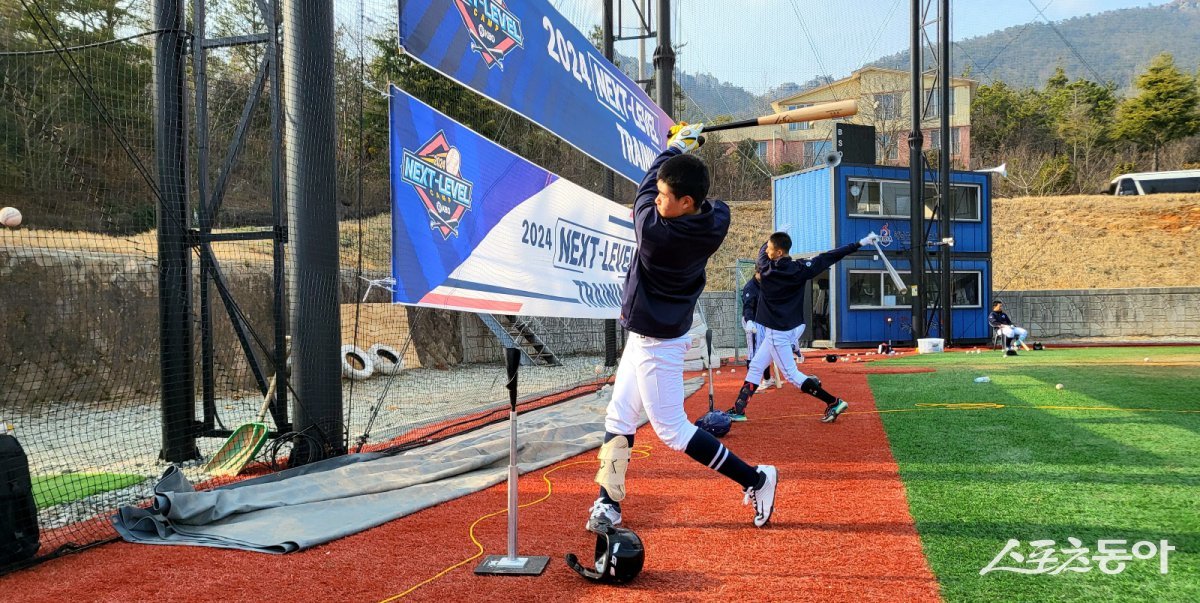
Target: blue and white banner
{"type": "Point", "coordinates": [477, 228]}
{"type": "Point", "coordinates": [526, 56]}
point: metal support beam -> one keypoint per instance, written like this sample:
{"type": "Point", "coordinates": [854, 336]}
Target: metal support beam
{"type": "Point", "coordinates": [207, 345]}
{"type": "Point", "coordinates": [279, 216]}
{"type": "Point", "coordinates": [946, 200]}
{"type": "Point", "coordinates": [610, 325]}
{"type": "Point", "coordinates": [209, 202]}
{"type": "Point", "coordinates": [174, 254]}
{"type": "Point", "coordinates": [664, 61]}
{"type": "Point", "coordinates": [916, 179]}
{"type": "Point", "coordinates": [308, 86]}
{"type": "Point", "coordinates": [239, 138]}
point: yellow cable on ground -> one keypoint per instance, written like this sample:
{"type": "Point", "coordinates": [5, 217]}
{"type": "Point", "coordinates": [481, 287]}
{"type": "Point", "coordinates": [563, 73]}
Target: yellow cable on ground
{"type": "Point", "coordinates": [640, 451]}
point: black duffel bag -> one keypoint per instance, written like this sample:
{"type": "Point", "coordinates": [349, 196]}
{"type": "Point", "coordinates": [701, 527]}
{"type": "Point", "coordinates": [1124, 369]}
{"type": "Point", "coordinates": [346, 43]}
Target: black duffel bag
{"type": "Point", "coordinates": [18, 512]}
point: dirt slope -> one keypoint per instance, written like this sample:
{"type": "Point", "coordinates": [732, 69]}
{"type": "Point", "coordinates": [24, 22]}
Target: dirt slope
{"type": "Point", "coordinates": [1075, 242]}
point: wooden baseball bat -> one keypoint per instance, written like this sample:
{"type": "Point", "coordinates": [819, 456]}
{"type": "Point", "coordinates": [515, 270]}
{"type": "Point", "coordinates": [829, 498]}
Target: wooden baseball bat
{"type": "Point", "coordinates": [844, 108]}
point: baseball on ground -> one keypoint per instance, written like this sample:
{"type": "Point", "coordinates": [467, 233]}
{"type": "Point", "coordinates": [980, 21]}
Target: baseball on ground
{"type": "Point", "coordinates": [10, 217]}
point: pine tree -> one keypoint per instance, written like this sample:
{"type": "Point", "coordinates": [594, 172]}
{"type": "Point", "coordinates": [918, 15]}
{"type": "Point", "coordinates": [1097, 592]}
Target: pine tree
{"type": "Point", "coordinates": [1166, 109]}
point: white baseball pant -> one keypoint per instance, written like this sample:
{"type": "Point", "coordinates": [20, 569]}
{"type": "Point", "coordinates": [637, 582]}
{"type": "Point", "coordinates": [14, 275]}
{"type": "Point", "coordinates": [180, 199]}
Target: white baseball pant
{"type": "Point", "coordinates": [650, 378]}
{"type": "Point", "coordinates": [777, 349]}
{"type": "Point", "coordinates": [1013, 331]}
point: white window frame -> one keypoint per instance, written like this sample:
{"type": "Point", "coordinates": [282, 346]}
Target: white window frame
{"type": "Point", "coordinates": [935, 141]}
{"type": "Point", "coordinates": [935, 103]}
{"type": "Point", "coordinates": [816, 158]}
{"type": "Point", "coordinates": [800, 125]}
{"type": "Point", "coordinates": [853, 212]}
{"type": "Point", "coordinates": [883, 285]}
{"type": "Point", "coordinates": [761, 149]}
{"type": "Point", "coordinates": [892, 109]}
{"type": "Point", "coordinates": [888, 147]}
{"type": "Point", "coordinates": [978, 287]}
{"type": "Point", "coordinates": [882, 288]}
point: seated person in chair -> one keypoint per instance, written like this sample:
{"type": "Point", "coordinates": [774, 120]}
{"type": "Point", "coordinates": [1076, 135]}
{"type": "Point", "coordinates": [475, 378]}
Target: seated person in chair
{"type": "Point", "coordinates": [1013, 335]}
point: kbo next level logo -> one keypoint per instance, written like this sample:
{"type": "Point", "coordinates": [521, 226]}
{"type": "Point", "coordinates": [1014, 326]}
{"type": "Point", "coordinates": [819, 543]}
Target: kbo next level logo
{"type": "Point", "coordinates": [494, 30]}
{"type": "Point", "coordinates": [435, 172]}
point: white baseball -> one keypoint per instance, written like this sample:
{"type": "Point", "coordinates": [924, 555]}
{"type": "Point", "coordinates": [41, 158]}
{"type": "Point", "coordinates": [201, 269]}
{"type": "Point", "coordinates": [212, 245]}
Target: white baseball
{"type": "Point", "coordinates": [10, 217]}
{"type": "Point", "coordinates": [453, 161]}
{"type": "Point", "coordinates": [1059, 386]}
{"type": "Point", "coordinates": [599, 369]}
{"type": "Point", "coordinates": [1147, 359]}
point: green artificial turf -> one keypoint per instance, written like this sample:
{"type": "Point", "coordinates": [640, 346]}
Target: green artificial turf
{"type": "Point", "coordinates": [57, 489]}
{"type": "Point", "coordinates": [977, 476]}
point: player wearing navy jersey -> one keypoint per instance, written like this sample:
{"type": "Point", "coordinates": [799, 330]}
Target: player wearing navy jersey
{"type": "Point", "coordinates": [677, 228]}
{"type": "Point", "coordinates": [1013, 335]}
{"type": "Point", "coordinates": [755, 333]}
{"type": "Point", "coordinates": [781, 312]}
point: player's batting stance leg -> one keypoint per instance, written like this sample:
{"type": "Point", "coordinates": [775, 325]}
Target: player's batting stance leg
{"type": "Point", "coordinates": [778, 349]}
{"type": "Point", "coordinates": [760, 338]}
{"type": "Point", "coordinates": [650, 377]}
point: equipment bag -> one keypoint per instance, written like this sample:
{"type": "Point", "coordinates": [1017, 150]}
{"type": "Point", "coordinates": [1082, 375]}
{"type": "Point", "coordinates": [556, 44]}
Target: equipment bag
{"type": "Point", "coordinates": [18, 512]}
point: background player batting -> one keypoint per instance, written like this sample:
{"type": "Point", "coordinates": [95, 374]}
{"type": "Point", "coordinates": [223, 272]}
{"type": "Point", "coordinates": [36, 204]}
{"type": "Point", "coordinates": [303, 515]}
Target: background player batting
{"type": "Point", "coordinates": [781, 312]}
{"type": "Point", "coordinates": [677, 229]}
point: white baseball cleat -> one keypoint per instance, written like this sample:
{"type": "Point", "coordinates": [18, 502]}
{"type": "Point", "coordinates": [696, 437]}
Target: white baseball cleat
{"type": "Point", "coordinates": [764, 497]}
{"type": "Point", "coordinates": [602, 514]}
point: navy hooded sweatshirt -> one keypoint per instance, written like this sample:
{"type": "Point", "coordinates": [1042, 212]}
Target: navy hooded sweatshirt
{"type": "Point", "coordinates": [750, 300]}
{"type": "Point", "coordinates": [781, 291]}
{"type": "Point", "coordinates": [667, 276]}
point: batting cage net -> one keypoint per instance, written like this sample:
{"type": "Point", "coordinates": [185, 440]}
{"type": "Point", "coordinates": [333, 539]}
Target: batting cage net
{"type": "Point", "coordinates": [106, 251]}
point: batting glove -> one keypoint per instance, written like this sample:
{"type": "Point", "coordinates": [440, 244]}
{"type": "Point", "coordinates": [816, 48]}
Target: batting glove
{"type": "Point", "coordinates": [749, 326]}
{"type": "Point", "coordinates": [868, 240]}
{"type": "Point", "coordinates": [686, 137]}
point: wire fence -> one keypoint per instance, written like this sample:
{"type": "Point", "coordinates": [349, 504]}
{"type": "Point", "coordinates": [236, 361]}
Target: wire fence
{"type": "Point", "coordinates": [82, 380]}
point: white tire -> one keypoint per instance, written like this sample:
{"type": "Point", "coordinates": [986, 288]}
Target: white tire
{"type": "Point", "coordinates": [386, 359]}
{"type": "Point", "coordinates": [356, 364]}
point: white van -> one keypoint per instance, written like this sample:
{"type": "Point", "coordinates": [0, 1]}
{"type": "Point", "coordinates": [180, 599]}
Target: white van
{"type": "Point", "coordinates": [1149, 183]}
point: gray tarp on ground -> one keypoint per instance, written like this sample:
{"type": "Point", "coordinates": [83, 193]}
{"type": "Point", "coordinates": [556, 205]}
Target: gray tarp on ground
{"type": "Point", "coordinates": [306, 506]}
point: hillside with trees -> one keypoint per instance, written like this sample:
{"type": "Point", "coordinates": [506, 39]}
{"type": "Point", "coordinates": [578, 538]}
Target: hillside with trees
{"type": "Point", "coordinates": [1112, 46]}
{"type": "Point", "coordinates": [1070, 137]}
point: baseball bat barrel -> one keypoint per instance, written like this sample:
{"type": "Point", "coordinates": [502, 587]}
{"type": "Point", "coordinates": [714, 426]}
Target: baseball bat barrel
{"type": "Point", "coordinates": [896, 280]}
{"type": "Point", "coordinates": [844, 108]}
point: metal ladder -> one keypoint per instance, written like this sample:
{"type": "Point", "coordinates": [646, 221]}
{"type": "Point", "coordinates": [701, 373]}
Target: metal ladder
{"type": "Point", "coordinates": [518, 332]}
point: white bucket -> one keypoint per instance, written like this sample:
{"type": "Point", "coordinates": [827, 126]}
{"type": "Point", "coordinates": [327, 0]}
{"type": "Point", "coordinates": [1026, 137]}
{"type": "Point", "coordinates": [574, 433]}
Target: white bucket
{"type": "Point", "coordinates": [932, 345]}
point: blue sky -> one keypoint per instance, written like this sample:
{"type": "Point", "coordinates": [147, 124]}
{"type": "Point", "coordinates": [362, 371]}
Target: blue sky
{"type": "Point", "coordinates": [758, 44]}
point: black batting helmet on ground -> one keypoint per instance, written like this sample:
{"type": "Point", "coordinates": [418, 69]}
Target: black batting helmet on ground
{"type": "Point", "coordinates": [715, 422]}
{"type": "Point", "coordinates": [620, 556]}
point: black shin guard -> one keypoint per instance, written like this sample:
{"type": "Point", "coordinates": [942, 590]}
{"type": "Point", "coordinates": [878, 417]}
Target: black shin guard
{"type": "Point", "coordinates": [604, 493]}
{"type": "Point", "coordinates": [744, 394]}
{"type": "Point", "coordinates": [706, 450]}
{"type": "Point", "coordinates": [812, 387]}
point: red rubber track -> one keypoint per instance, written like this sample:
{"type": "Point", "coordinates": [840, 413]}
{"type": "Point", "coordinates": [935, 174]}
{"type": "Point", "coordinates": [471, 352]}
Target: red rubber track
{"type": "Point", "coordinates": [841, 529]}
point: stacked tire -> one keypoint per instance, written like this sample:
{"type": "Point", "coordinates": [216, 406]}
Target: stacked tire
{"type": "Point", "coordinates": [379, 359]}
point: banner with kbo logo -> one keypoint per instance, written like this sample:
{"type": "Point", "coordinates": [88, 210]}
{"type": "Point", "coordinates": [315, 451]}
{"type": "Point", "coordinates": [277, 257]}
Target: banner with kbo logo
{"type": "Point", "coordinates": [477, 228]}
{"type": "Point", "coordinates": [526, 56]}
